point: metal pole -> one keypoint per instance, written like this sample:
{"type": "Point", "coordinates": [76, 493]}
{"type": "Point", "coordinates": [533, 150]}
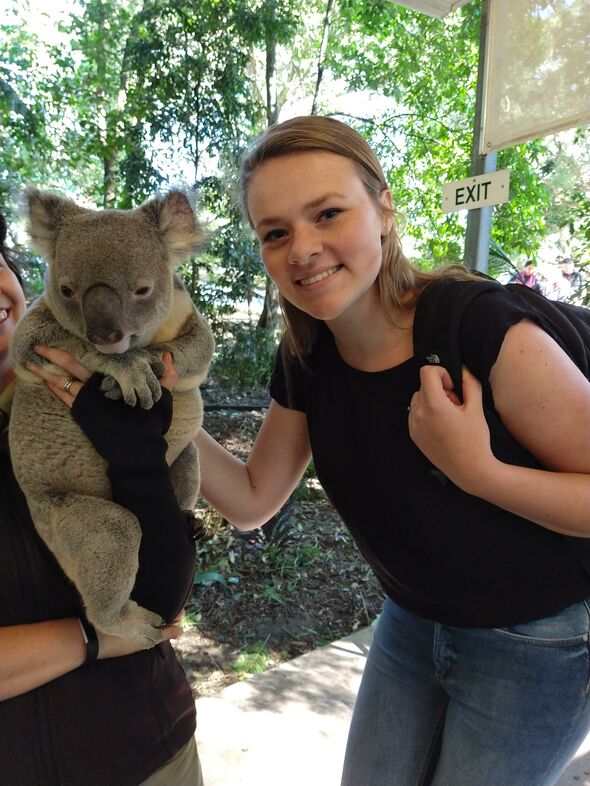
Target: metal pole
{"type": "Point", "coordinates": [479, 221]}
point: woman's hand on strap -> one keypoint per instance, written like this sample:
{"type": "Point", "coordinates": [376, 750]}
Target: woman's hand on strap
{"type": "Point", "coordinates": [455, 437]}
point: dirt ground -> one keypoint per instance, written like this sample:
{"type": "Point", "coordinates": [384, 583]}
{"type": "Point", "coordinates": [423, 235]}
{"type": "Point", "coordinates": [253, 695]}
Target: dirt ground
{"type": "Point", "coordinates": [263, 599]}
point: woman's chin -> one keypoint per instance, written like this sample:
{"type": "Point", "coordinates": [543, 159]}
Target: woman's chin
{"type": "Point", "coordinates": [320, 308]}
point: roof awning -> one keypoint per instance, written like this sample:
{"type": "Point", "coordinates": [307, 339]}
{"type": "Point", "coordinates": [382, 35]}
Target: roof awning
{"type": "Point", "coordinates": [437, 8]}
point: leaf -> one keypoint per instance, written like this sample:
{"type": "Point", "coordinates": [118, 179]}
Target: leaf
{"type": "Point", "coordinates": [210, 578]}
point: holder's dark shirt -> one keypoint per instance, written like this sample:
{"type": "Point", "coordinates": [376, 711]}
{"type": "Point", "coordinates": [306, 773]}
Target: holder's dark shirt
{"type": "Point", "coordinates": [114, 721]}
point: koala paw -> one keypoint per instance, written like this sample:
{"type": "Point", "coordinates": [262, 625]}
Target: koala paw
{"type": "Point", "coordinates": [138, 623]}
{"type": "Point", "coordinates": [137, 385]}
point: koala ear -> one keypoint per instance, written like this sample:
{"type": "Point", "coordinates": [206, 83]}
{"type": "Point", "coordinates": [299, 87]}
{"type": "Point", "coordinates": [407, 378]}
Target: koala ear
{"type": "Point", "coordinates": [174, 217]}
{"type": "Point", "coordinates": [45, 213]}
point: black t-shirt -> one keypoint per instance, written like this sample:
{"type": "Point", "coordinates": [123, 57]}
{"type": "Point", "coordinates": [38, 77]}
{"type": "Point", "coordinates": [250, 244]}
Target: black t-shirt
{"type": "Point", "coordinates": [437, 551]}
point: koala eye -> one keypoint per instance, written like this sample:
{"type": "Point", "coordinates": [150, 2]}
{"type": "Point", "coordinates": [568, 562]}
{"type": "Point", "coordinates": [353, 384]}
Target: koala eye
{"type": "Point", "coordinates": [143, 291]}
{"type": "Point", "coordinates": [66, 291]}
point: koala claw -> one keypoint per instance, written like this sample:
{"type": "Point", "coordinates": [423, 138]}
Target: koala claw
{"type": "Point", "coordinates": [138, 623]}
{"type": "Point", "coordinates": [111, 388]}
{"type": "Point", "coordinates": [155, 389]}
{"type": "Point", "coordinates": [158, 367]}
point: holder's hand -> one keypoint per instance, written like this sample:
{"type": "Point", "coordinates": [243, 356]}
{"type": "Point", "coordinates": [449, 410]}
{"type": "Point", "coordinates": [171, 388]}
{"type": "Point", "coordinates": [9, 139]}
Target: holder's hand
{"type": "Point", "coordinates": [116, 646]}
{"type": "Point", "coordinates": [66, 386]}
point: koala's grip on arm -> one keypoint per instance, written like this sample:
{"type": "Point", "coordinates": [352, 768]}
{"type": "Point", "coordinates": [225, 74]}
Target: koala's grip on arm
{"type": "Point", "coordinates": [132, 442]}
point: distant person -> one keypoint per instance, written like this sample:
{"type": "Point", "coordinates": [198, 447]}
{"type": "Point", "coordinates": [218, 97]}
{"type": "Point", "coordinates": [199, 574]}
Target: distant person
{"type": "Point", "coordinates": [527, 276]}
{"type": "Point", "coordinates": [571, 279]}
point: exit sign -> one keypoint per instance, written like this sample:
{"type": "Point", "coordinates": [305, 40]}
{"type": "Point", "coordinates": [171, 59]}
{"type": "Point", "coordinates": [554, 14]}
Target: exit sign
{"type": "Point", "coordinates": [480, 191]}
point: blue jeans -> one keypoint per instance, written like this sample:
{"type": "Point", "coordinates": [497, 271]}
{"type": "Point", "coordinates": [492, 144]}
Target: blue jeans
{"type": "Point", "coordinates": [448, 706]}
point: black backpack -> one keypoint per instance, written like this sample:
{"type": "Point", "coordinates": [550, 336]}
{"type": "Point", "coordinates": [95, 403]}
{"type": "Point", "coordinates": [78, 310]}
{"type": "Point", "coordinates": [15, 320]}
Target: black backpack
{"type": "Point", "coordinates": [437, 321]}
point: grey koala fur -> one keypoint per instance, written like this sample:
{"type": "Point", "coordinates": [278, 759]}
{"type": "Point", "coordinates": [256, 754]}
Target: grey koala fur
{"type": "Point", "coordinates": [112, 299]}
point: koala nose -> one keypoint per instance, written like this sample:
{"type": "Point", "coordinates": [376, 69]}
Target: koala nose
{"type": "Point", "coordinates": [111, 338]}
{"type": "Point", "coordinates": [104, 315]}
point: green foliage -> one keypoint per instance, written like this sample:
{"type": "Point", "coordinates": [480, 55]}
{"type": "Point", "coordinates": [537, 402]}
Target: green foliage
{"type": "Point", "coordinates": [286, 563]}
{"type": "Point", "coordinates": [424, 136]}
{"type": "Point", "coordinates": [566, 173]}
{"type": "Point", "coordinates": [188, 71]}
{"type": "Point", "coordinates": [22, 111]}
{"type": "Point", "coordinates": [92, 79]}
{"type": "Point", "coordinates": [207, 578]}
{"type": "Point", "coordinates": [254, 659]}
{"type": "Point", "coordinates": [500, 262]}
{"type": "Point", "coordinates": [115, 100]}
{"type": "Point", "coordinates": [218, 288]}
{"type": "Point", "coordinates": [519, 225]}
{"type": "Point", "coordinates": [244, 355]}
{"type": "Point", "coordinates": [190, 621]}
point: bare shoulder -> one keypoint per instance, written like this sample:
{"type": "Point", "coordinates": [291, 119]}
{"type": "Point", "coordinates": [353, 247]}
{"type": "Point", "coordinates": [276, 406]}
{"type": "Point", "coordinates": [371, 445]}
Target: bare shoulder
{"type": "Point", "coordinates": [543, 398]}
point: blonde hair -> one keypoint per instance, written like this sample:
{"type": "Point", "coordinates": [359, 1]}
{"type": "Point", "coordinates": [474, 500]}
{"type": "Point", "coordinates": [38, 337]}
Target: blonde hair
{"type": "Point", "coordinates": [398, 281]}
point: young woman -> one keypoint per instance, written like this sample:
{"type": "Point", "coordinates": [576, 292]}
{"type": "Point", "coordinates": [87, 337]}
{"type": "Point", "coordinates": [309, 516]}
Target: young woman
{"type": "Point", "coordinates": [479, 669]}
{"type": "Point", "coordinates": [79, 707]}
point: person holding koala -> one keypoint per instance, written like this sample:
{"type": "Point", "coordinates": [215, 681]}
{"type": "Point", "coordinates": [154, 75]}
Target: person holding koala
{"type": "Point", "coordinates": [113, 300]}
{"type": "Point", "coordinates": [78, 706]}
{"type": "Point", "coordinates": [478, 672]}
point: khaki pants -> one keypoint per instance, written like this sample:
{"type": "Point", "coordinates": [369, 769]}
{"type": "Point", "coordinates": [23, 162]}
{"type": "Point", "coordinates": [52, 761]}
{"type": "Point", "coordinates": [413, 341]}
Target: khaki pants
{"type": "Point", "coordinates": [184, 769]}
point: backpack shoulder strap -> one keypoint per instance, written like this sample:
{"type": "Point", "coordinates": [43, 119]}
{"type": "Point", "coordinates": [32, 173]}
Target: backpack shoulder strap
{"type": "Point", "coordinates": [437, 320]}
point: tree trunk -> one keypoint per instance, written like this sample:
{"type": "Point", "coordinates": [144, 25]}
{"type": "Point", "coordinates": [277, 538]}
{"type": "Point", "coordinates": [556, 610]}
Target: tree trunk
{"type": "Point", "coordinates": [270, 316]}
{"type": "Point", "coordinates": [322, 55]}
{"type": "Point", "coordinates": [110, 180]}
{"type": "Point", "coordinates": [272, 109]}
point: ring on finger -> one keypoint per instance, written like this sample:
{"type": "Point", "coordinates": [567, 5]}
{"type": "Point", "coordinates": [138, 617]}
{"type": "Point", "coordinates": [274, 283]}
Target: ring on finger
{"type": "Point", "coordinates": [68, 384]}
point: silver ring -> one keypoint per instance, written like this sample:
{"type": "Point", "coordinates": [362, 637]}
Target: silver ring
{"type": "Point", "coordinates": [68, 384]}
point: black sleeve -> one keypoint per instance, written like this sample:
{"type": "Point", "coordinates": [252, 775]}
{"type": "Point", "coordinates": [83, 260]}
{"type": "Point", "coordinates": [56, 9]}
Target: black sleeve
{"type": "Point", "coordinates": [288, 381]}
{"type": "Point", "coordinates": [132, 441]}
{"type": "Point", "coordinates": [484, 325]}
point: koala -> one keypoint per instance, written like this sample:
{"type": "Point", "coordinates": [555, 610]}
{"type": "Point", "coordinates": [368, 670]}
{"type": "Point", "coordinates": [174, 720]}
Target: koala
{"type": "Point", "coordinates": [113, 300]}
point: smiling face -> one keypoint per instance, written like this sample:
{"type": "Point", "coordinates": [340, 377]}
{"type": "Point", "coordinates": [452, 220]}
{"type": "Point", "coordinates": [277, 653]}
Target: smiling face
{"type": "Point", "coordinates": [319, 232]}
{"type": "Point", "coordinates": [12, 308]}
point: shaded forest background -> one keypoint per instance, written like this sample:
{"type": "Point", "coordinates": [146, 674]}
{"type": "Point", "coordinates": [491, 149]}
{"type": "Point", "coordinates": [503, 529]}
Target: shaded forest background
{"type": "Point", "coordinates": [110, 101]}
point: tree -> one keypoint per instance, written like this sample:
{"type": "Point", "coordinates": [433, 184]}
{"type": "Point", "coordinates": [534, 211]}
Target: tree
{"type": "Point", "coordinates": [148, 92]}
{"type": "Point", "coordinates": [24, 138]}
{"type": "Point", "coordinates": [93, 75]}
{"type": "Point", "coordinates": [424, 135]}
{"type": "Point", "coordinates": [566, 173]}
{"type": "Point", "coordinates": [189, 75]}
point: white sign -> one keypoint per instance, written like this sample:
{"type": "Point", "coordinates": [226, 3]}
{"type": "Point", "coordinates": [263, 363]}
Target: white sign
{"type": "Point", "coordinates": [438, 8]}
{"type": "Point", "coordinates": [479, 191]}
{"type": "Point", "coordinates": [537, 70]}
